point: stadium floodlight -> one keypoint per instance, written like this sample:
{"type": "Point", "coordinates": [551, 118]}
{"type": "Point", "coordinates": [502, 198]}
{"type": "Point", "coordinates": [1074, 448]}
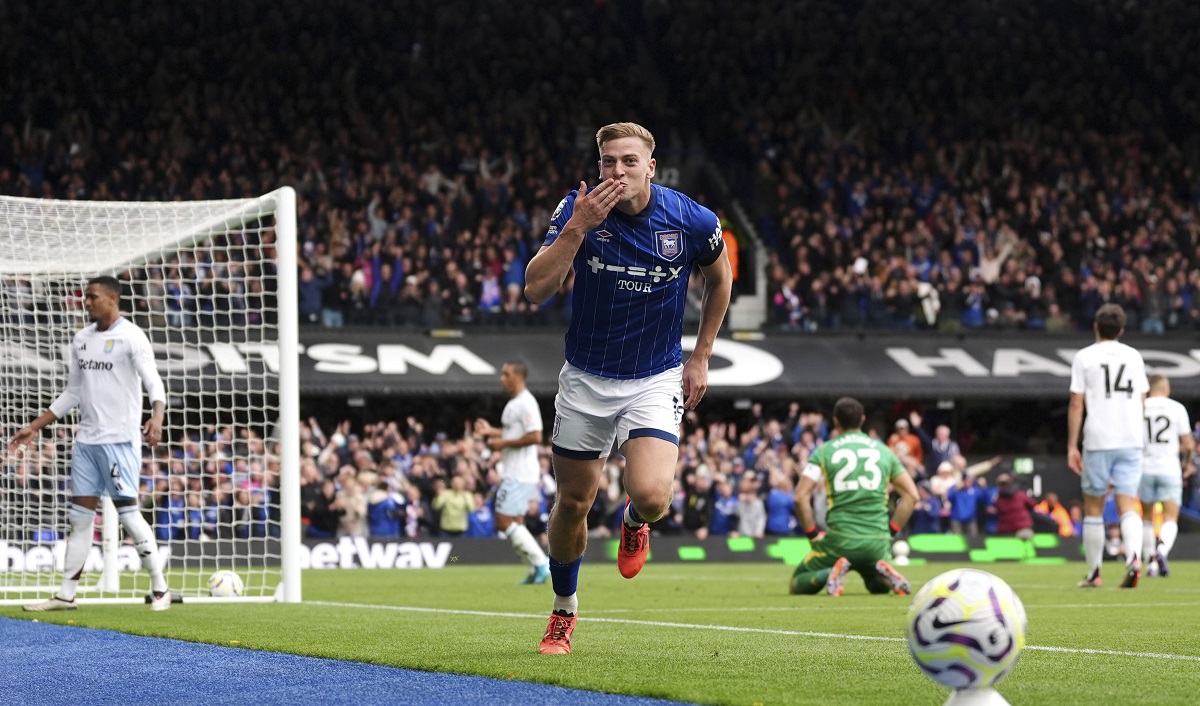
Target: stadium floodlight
{"type": "Point", "coordinates": [213, 285]}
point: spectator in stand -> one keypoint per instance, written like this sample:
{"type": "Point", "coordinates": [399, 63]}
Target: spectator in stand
{"type": "Point", "coordinates": [943, 481]}
{"type": "Point", "coordinates": [751, 512]}
{"type": "Point", "coordinates": [598, 520]}
{"type": "Point", "coordinates": [453, 505]}
{"type": "Point", "coordinates": [536, 519]}
{"type": "Point", "coordinates": [912, 442]}
{"type": "Point", "coordinates": [910, 463]}
{"type": "Point", "coordinates": [1053, 509]}
{"type": "Point", "coordinates": [195, 515]}
{"type": "Point", "coordinates": [326, 511]}
{"type": "Point", "coordinates": [1076, 513]}
{"type": "Point", "coordinates": [698, 512]}
{"type": "Point", "coordinates": [171, 518]}
{"type": "Point", "coordinates": [353, 501]}
{"type": "Point", "coordinates": [385, 511]}
{"type": "Point", "coordinates": [964, 508]}
{"type": "Point", "coordinates": [780, 506]}
{"type": "Point", "coordinates": [938, 448]}
{"type": "Point", "coordinates": [926, 517]}
{"type": "Point", "coordinates": [985, 511]}
{"type": "Point", "coordinates": [724, 509]}
{"type": "Point", "coordinates": [1013, 508]}
{"type": "Point", "coordinates": [311, 288]}
{"type": "Point", "coordinates": [481, 522]}
{"type": "Point", "coordinates": [418, 515]}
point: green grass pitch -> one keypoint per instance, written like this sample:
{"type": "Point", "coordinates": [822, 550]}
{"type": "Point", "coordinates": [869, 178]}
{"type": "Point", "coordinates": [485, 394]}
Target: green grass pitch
{"type": "Point", "coordinates": [709, 633]}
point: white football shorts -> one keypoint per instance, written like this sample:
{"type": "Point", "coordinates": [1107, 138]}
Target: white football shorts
{"type": "Point", "coordinates": [513, 496]}
{"type": "Point", "coordinates": [1156, 489]}
{"type": "Point", "coordinates": [1121, 467]}
{"type": "Point", "coordinates": [105, 469]}
{"type": "Point", "coordinates": [593, 412]}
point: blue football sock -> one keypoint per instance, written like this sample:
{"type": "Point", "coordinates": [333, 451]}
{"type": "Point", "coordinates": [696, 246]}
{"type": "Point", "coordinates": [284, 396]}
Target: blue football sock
{"type": "Point", "coordinates": [632, 518]}
{"type": "Point", "coordinates": [564, 577]}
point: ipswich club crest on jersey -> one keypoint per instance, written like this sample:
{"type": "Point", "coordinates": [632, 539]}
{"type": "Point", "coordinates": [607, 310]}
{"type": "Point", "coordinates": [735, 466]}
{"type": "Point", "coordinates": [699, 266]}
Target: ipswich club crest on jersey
{"type": "Point", "coordinates": [669, 243]}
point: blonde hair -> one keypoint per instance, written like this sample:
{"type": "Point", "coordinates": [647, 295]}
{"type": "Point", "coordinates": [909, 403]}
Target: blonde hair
{"type": "Point", "coordinates": [616, 131]}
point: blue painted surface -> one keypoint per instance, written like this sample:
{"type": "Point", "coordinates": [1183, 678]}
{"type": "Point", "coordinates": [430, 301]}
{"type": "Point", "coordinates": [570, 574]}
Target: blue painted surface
{"type": "Point", "coordinates": [56, 664]}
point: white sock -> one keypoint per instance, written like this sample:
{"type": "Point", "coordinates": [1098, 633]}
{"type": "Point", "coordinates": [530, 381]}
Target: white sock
{"type": "Point", "coordinates": [630, 520]}
{"type": "Point", "coordinates": [1167, 534]}
{"type": "Point", "coordinates": [567, 604]}
{"type": "Point", "coordinates": [143, 541]}
{"type": "Point", "coordinates": [1131, 535]}
{"type": "Point", "coordinates": [525, 545]}
{"type": "Point", "coordinates": [1093, 542]}
{"type": "Point", "coordinates": [79, 545]}
{"type": "Point", "coordinates": [1147, 541]}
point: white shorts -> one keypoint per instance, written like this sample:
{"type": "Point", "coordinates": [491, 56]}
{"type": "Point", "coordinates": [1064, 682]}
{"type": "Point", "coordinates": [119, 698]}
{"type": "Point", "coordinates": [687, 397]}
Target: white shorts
{"type": "Point", "coordinates": [1157, 489]}
{"type": "Point", "coordinates": [513, 496]}
{"type": "Point", "coordinates": [105, 469]}
{"type": "Point", "coordinates": [593, 412]}
{"type": "Point", "coordinates": [1120, 467]}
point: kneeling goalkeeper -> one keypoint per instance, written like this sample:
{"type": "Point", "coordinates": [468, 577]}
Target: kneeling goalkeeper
{"type": "Point", "coordinates": [857, 471]}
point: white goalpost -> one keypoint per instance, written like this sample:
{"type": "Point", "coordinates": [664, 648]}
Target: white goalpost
{"type": "Point", "coordinates": [213, 285]}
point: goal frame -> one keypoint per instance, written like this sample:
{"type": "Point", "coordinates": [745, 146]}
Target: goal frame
{"type": "Point", "coordinates": [282, 204]}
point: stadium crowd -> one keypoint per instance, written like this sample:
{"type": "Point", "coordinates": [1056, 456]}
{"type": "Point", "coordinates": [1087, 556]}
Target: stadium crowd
{"type": "Point", "coordinates": [957, 165]}
{"type": "Point", "coordinates": [910, 166]}
{"type": "Point", "coordinates": [939, 165]}
{"type": "Point", "coordinates": [393, 479]}
{"type": "Point", "coordinates": [422, 195]}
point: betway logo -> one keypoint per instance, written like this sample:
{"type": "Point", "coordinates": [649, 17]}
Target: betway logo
{"type": "Point", "coordinates": [46, 558]}
{"type": "Point", "coordinates": [359, 552]}
{"type": "Point", "coordinates": [1014, 362]}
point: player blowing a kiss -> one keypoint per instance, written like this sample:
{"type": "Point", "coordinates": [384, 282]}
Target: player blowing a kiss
{"type": "Point", "coordinates": [632, 245]}
{"type": "Point", "coordinates": [110, 361]}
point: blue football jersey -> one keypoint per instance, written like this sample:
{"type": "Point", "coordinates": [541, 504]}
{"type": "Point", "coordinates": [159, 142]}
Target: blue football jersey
{"type": "Point", "coordinates": [631, 280]}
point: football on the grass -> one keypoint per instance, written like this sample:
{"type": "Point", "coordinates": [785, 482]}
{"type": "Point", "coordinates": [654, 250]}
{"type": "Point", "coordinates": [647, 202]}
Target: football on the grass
{"type": "Point", "coordinates": [966, 629]}
{"type": "Point", "coordinates": [225, 584]}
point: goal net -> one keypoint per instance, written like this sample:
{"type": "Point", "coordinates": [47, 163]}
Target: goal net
{"type": "Point", "coordinates": [213, 285]}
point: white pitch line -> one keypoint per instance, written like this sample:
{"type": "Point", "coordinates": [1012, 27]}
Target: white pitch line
{"type": "Point", "coordinates": [853, 608]}
{"type": "Point", "coordinates": [734, 628]}
{"type": "Point", "coordinates": [1072, 588]}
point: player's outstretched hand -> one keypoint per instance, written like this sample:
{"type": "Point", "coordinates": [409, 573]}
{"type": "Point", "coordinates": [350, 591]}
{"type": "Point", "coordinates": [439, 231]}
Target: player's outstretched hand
{"type": "Point", "coordinates": [695, 382]}
{"type": "Point", "coordinates": [152, 432]}
{"type": "Point", "coordinates": [21, 438]}
{"type": "Point", "coordinates": [591, 208]}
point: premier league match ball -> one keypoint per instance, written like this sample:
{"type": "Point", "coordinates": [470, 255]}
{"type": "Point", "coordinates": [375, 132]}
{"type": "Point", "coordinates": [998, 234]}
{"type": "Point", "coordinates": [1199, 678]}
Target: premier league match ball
{"type": "Point", "coordinates": [966, 629]}
{"type": "Point", "coordinates": [225, 584]}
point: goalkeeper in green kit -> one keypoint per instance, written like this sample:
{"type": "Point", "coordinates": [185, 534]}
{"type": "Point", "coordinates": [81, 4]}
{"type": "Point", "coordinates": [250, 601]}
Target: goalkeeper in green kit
{"type": "Point", "coordinates": [856, 470]}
